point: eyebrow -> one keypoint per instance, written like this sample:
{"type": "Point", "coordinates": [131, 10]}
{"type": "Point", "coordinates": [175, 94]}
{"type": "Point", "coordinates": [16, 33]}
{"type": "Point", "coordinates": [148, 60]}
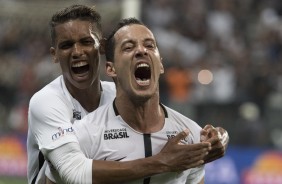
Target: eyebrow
{"type": "Point", "coordinates": [63, 42]}
{"type": "Point", "coordinates": [72, 40]}
{"type": "Point", "coordinates": [150, 39]}
{"type": "Point", "coordinates": [127, 41]}
{"type": "Point", "coordinates": [132, 41]}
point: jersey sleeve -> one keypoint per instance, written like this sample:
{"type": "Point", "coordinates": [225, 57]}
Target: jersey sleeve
{"type": "Point", "coordinates": [69, 165]}
{"type": "Point", "coordinates": [50, 119]}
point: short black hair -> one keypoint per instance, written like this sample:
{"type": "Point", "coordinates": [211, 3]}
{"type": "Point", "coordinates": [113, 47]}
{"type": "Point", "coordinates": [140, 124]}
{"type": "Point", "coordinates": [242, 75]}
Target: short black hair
{"type": "Point", "coordinates": [74, 12]}
{"type": "Point", "coordinates": [110, 41]}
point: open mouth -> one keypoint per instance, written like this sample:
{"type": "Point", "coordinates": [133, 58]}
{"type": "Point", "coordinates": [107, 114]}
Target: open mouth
{"type": "Point", "coordinates": [80, 67]}
{"type": "Point", "coordinates": [143, 74]}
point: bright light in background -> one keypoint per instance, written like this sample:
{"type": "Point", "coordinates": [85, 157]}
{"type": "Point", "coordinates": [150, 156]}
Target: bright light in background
{"type": "Point", "coordinates": [131, 8]}
{"type": "Point", "coordinates": [205, 77]}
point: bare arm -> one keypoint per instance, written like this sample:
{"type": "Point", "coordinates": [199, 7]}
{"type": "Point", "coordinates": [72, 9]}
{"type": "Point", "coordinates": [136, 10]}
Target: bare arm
{"type": "Point", "coordinates": [219, 139]}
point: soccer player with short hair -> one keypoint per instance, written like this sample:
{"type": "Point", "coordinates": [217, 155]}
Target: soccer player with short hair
{"type": "Point", "coordinates": [76, 45]}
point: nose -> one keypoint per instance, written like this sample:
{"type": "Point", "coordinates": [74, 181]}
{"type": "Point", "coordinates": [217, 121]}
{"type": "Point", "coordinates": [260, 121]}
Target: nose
{"type": "Point", "coordinates": [141, 51]}
{"type": "Point", "coordinates": [77, 50]}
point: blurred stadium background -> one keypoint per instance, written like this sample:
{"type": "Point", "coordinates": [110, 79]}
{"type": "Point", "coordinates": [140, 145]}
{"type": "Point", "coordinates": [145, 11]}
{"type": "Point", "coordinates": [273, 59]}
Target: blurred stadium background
{"type": "Point", "coordinates": [223, 61]}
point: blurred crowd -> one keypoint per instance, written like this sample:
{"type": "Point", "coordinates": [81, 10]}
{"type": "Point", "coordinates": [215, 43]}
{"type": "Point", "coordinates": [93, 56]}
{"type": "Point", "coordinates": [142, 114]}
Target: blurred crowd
{"type": "Point", "coordinates": [222, 58]}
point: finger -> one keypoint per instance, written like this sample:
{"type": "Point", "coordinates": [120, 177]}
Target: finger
{"type": "Point", "coordinates": [211, 131]}
{"type": "Point", "coordinates": [197, 156]}
{"type": "Point", "coordinates": [213, 140]}
{"type": "Point", "coordinates": [217, 151]}
{"type": "Point", "coordinates": [224, 136]}
{"type": "Point", "coordinates": [195, 162]}
{"type": "Point", "coordinates": [191, 161]}
{"type": "Point", "coordinates": [186, 166]}
{"type": "Point", "coordinates": [203, 146]}
{"type": "Point", "coordinates": [225, 140]}
{"type": "Point", "coordinates": [204, 135]}
{"type": "Point", "coordinates": [221, 130]}
{"type": "Point", "coordinates": [217, 148]}
{"type": "Point", "coordinates": [208, 126]}
{"type": "Point", "coordinates": [210, 159]}
{"type": "Point", "coordinates": [194, 154]}
{"type": "Point", "coordinates": [213, 156]}
{"type": "Point", "coordinates": [216, 137]}
{"type": "Point", "coordinates": [180, 136]}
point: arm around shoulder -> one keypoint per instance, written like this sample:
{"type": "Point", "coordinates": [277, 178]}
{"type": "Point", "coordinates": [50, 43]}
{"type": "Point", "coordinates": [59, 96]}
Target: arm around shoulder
{"type": "Point", "coordinates": [69, 164]}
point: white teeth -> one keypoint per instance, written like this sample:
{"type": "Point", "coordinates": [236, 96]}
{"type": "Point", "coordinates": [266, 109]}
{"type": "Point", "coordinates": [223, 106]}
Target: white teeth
{"type": "Point", "coordinates": [142, 79]}
{"type": "Point", "coordinates": [143, 82]}
{"type": "Point", "coordinates": [142, 65]}
{"type": "Point", "coordinates": [80, 64]}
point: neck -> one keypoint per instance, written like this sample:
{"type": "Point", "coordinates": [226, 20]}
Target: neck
{"type": "Point", "coordinates": [146, 117]}
{"type": "Point", "coordinates": [88, 98]}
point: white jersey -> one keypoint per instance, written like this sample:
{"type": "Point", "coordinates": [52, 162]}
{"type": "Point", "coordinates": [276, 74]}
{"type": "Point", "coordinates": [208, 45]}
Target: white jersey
{"type": "Point", "coordinates": [52, 112]}
{"type": "Point", "coordinates": [103, 135]}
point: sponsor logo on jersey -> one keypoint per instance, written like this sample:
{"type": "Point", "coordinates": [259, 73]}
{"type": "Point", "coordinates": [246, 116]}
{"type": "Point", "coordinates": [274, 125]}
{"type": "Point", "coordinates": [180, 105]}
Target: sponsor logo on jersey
{"type": "Point", "coordinates": [62, 132]}
{"type": "Point", "coordinates": [187, 140]}
{"type": "Point", "coordinates": [171, 134]}
{"type": "Point", "coordinates": [76, 114]}
{"type": "Point", "coordinates": [115, 134]}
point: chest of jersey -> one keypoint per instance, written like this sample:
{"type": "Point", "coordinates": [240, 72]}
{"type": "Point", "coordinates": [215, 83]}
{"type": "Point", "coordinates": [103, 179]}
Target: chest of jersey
{"type": "Point", "coordinates": [119, 142]}
{"type": "Point", "coordinates": [104, 135]}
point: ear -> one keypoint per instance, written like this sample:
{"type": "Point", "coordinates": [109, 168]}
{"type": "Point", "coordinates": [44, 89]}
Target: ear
{"type": "Point", "coordinates": [102, 46]}
{"type": "Point", "coordinates": [110, 69]}
{"type": "Point", "coordinates": [53, 53]}
{"type": "Point", "coordinates": [161, 66]}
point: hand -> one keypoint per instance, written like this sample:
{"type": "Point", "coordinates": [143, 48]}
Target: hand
{"type": "Point", "coordinates": [218, 138]}
{"type": "Point", "coordinates": [179, 157]}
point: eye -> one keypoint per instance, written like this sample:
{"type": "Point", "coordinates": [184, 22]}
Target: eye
{"type": "Point", "coordinates": [88, 42]}
{"type": "Point", "coordinates": [150, 45]}
{"type": "Point", "coordinates": [65, 45]}
{"type": "Point", "coordinates": [127, 47]}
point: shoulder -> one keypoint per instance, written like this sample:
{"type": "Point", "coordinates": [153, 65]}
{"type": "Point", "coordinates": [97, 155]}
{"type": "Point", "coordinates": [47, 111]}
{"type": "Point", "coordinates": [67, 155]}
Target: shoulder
{"type": "Point", "coordinates": [95, 118]}
{"type": "Point", "coordinates": [51, 89]}
{"type": "Point", "coordinates": [49, 98]}
{"type": "Point", "coordinates": [173, 114]}
{"type": "Point", "coordinates": [108, 92]}
{"type": "Point", "coordinates": [108, 86]}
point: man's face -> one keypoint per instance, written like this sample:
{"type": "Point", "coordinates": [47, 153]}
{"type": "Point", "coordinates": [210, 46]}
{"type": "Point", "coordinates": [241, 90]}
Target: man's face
{"type": "Point", "coordinates": [137, 61]}
{"type": "Point", "coordinates": [77, 51]}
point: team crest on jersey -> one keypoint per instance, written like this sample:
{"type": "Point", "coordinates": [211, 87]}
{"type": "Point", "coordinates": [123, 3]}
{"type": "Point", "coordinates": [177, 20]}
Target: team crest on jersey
{"type": "Point", "coordinates": [115, 134]}
{"type": "Point", "coordinates": [76, 114]}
